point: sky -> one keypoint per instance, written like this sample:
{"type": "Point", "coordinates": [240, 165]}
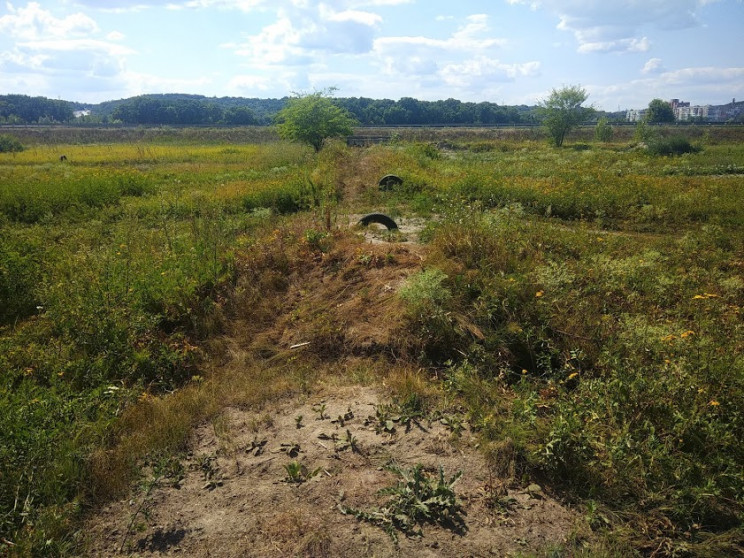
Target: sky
{"type": "Point", "coordinates": [512, 52]}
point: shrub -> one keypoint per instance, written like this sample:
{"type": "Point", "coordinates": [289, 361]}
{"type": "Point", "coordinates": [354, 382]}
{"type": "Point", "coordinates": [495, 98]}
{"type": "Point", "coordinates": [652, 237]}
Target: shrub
{"type": "Point", "coordinates": [603, 132]}
{"type": "Point", "coordinates": [9, 144]}
{"type": "Point", "coordinates": [675, 145]}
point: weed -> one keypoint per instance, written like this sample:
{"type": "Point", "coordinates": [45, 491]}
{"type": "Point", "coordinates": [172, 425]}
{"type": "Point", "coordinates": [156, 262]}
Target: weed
{"type": "Point", "coordinates": [415, 499]}
{"type": "Point", "coordinates": [320, 408]}
{"type": "Point", "coordinates": [297, 472]}
{"type": "Point", "coordinates": [165, 468]}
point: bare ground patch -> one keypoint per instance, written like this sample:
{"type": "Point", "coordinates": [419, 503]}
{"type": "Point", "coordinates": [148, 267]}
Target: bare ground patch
{"type": "Point", "coordinates": [236, 497]}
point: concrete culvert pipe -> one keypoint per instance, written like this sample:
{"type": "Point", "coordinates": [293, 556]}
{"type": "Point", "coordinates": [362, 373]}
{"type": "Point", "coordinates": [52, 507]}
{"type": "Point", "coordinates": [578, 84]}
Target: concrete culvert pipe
{"type": "Point", "coordinates": [380, 218]}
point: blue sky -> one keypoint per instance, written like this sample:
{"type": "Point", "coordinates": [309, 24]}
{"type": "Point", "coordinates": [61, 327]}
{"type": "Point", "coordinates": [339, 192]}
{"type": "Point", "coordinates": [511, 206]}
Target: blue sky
{"type": "Point", "coordinates": [624, 53]}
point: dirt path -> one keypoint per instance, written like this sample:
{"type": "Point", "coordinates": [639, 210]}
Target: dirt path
{"type": "Point", "coordinates": [235, 498]}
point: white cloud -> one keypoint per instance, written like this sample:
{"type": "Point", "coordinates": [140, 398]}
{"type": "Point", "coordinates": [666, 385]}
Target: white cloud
{"type": "Point", "coordinates": [615, 25]}
{"type": "Point", "coordinates": [33, 22]}
{"type": "Point", "coordinates": [480, 72]}
{"type": "Point", "coordinates": [302, 34]}
{"type": "Point", "coordinates": [653, 66]}
{"type": "Point", "coordinates": [699, 85]}
{"type": "Point", "coordinates": [471, 39]}
{"type": "Point", "coordinates": [705, 75]}
{"type": "Point", "coordinates": [620, 45]}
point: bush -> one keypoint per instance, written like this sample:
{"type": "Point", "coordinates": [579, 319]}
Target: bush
{"type": "Point", "coordinates": [9, 144]}
{"type": "Point", "coordinates": [603, 131]}
{"type": "Point", "coordinates": [675, 145]}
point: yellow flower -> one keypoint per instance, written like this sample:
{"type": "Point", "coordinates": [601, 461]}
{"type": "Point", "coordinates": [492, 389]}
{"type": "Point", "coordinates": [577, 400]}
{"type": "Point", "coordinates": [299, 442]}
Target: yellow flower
{"type": "Point", "coordinates": [524, 371]}
{"type": "Point", "coordinates": [538, 294]}
{"type": "Point", "coordinates": [714, 403]}
{"type": "Point", "coordinates": [572, 376]}
{"type": "Point", "coordinates": [687, 333]}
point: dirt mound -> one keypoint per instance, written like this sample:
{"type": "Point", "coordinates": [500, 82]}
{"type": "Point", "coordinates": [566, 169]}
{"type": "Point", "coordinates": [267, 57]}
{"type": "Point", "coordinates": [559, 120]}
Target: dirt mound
{"type": "Point", "coordinates": [276, 480]}
{"type": "Point", "coordinates": [236, 497]}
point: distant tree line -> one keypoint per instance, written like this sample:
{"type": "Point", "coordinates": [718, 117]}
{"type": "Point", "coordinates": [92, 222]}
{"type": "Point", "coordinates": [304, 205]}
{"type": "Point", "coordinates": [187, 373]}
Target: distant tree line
{"type": "Point", "coordinates": [192, 110]}
{"type": "Point", "coordinates": [184, 110]}
{"type": "Point", "coordinates": [409, 111]}
{"type": "Point", "coordinates": [22, 109]}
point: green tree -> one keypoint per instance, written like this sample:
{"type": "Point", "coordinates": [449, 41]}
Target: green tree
{"type": "Point", "coordinates": [659, 111]}
{"type": "Point", "coordinates": [562, 112]}
{"type": "Point", "coordinates": [312, 118]}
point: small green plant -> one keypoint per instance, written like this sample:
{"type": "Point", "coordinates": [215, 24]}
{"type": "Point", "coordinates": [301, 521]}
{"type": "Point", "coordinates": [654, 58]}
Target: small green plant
{"type": "Point", "coordinates": [320, 408]}
{"type": "Point", "coordinates": [167, 468]}
{"type": "Point", "coordinates": [298, 421]}
{"type": "Point", "coordinates": [417, 498]}
{"type": "Point", "coordinates": [297, 472]}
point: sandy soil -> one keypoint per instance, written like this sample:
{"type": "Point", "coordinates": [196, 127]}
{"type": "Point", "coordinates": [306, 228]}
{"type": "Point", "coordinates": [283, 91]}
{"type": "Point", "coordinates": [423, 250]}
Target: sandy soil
{"type": "Point", "coordinates": [235, 498]}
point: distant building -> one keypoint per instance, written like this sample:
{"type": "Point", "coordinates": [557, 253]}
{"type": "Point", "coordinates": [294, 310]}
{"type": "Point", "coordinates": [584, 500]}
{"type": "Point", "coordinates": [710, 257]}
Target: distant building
{"type": "Point", "coordinates": [635, 115]}
{"type": "Point", "coordinates": [684, 112]}
{"type": "Point", "coordinates": [79, 113]}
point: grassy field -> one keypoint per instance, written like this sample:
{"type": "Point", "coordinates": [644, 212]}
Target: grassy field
{"type": "Point", "coordinates": [579, 308]}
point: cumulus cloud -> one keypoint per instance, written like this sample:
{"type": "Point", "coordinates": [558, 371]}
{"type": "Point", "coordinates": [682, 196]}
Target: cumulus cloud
{"type": "Point", "coordinates": [466, 62]}
{"type": "Point", "coordinates": [310, 29]}
{"type": "Point", "coordinates": [653, 66]}
{"type": "Point", "coordinates": [482, 72]}
{"type": "Point", "coordinates": [58, 53]}
{"type": "Point", "coordinates": [699, 85]}
{"type": "Point", "coordinates": [615, 25]}
{"type": "Point", "coordinates": [705, 75]}
{"type": "Point", "coordinates": [33, 22]}
{"type": "Point", "coordinates": [397, 53]}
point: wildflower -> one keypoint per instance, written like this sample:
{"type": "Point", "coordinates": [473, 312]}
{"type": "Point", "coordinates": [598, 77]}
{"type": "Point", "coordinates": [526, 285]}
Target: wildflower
{"type": "Point", "coordinates": [538, 294]}
{"type": "Point", "coordinates": [524, 371]}
{"type": "Point", "coordinates": [572, 375]}
{"type": "Point", "coordinates": [713, 403]}
{"type": "Point", "coordinates": [687, 333]}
